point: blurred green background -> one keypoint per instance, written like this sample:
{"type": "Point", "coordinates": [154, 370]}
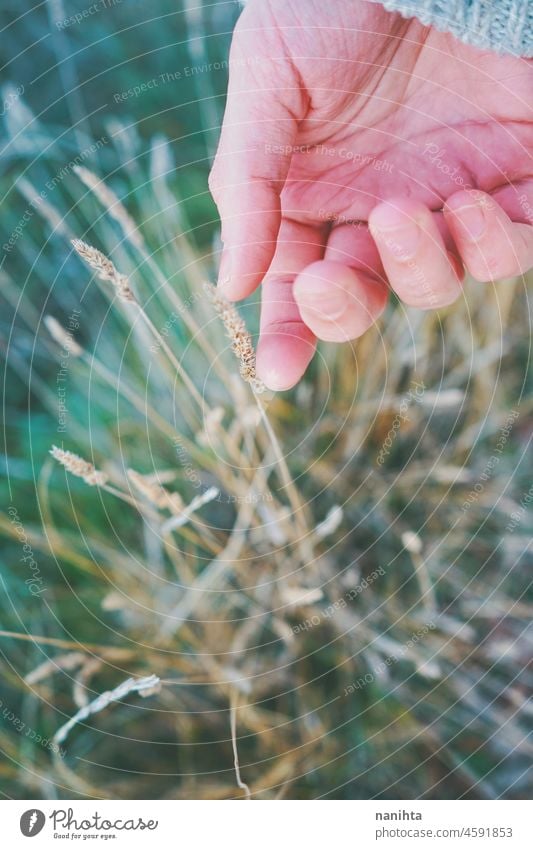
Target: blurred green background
{"type": "Point", "coordinates": [65, 68]}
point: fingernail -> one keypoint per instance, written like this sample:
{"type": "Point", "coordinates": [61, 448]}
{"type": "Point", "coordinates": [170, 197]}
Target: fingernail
{"type": "Point", "coordinates": [396, 231]}
{"type": "Point", "coordinates": [329, 304]}
{"type": "Point", "coordinates": [472, 219]}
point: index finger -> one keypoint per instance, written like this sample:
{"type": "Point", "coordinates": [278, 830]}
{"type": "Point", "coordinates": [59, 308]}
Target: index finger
{"type": "Point", "coordinates": [265, 102]}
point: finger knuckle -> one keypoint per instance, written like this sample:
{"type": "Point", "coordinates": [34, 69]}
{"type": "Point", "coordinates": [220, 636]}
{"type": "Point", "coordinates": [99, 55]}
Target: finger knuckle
{"type": "Point", "coordinates": [492, 267]}
{"type": "Point", "coordinates": [286, 327]}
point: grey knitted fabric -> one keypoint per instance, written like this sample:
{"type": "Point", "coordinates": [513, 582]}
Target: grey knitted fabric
{"type": "Point", "coordinates": [502, 25]}
{"type": "Point", "coordinates": [505, 26]}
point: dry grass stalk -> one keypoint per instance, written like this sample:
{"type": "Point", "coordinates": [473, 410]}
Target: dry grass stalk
{"type": "Point", "coordinates": [241, 341]}
{"type": "Point", "coordinates": [67, 661]}
{"type": "Point", "coordinates": [233, 726]}
{"type": "Point", "coordinates": [81, 680]}
{"type": "Point", "coordinates": [155, 493]}
{"type": "Point", "coordinates": [329, 525]}
{"type": "Point", "coordinates": [184, 516]}
{"type": "Point", "coordinates": [104, 268]}
{"type": "Point", "coordinates": [144, 686]}
{"type": "Point", "coordinates": [111, 202]}
{"type": "Point", "coordinates": [79, 467]}
{"type": "Point", "coordinates": [63, 337]}
{"type": "Point", "coordinates": [412, 542]}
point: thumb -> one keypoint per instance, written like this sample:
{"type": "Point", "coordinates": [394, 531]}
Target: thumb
{"type": "Point", "coordinates": [265, 102]}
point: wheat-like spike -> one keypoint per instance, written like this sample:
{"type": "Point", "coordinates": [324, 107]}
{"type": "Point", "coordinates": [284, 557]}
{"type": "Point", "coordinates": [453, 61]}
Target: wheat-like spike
{"type": "Point", "coordinates": [63, 337]}
{"type": "Point", "coordinates": [104, 268]}
{"type": "Point", "coordinates": [155, 493]}
{"type": "Point", "coordinates": [241, 341]}
{"type": "Point", "coordinates": [147, 686]}
{"type": "Point", "coordinates": [96, 260]}
{"type": "Point", "coordinates": [78, 466]}
{"type": "Point", "coordinates": [114, 206]}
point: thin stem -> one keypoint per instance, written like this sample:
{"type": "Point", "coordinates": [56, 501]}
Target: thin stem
{"type": "Point", "coordinates": [233, 725]}
{"type": "Point", "coordinates": [304, 543]}
{"type": "Point", "coordinates": [172, 357]}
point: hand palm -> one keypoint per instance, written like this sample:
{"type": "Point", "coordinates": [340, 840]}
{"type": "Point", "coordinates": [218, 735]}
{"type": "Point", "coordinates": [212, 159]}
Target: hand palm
{"type": "Point", "coordinates": [386, 110]}
{"type": "Point", "coordinates": [425, 139]}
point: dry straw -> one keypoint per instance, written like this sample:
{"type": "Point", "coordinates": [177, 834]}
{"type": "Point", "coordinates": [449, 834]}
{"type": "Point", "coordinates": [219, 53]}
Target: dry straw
{"type": "Point", "coordinates": [197, 502]}
{"type": "Point", "coordinates": [79, 467]}
{"type": "Point", "coordinates": [241, 341]}
{"type": "Point", "coordinates": [164, 500]}
{"type": "Point", "coordinates": [68, 662]}
{"type": "Point", "coordinates": [155, 493]}
{"type": "Point", "coordinates": [111, 202]}
{"type": "Point", "coordinates": [144, 686]}
{"type": "Point", "coordinates": [63, 337]}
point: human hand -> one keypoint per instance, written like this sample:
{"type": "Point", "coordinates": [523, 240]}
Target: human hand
{"type": "Point", "coordinates": [362, 152]}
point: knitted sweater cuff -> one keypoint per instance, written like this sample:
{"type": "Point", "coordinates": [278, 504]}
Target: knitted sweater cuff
{"type": "Point", "coordinates": [505, 26]}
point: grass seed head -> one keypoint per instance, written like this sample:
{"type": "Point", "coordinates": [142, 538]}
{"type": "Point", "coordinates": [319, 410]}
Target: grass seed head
{"type": "Point", "coordinates": [78, 466]}
{"type": "Point", "coordinates": [155, 493]}
{"type": "Point", "coordinates": [241, 341]}
{"type": "Point", "coordinates": [104, 268]}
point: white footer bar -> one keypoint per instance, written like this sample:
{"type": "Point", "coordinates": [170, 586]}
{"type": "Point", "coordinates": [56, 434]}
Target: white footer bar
{"type": "Point", "coordinates": [268, 824]}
